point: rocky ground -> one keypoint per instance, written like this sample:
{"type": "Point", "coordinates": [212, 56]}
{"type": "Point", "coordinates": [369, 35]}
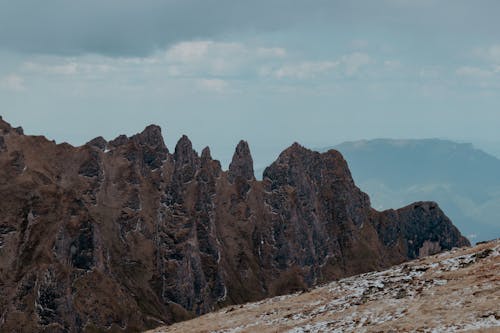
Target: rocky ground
{"type": "Point", "coordinates": [455, 291]}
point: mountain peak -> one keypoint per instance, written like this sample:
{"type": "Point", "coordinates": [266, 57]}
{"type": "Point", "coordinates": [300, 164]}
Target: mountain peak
{"type": "Point", "coordinates": [150, 136]}
{"type": "Point", "coordinates": [242, 163]}
{"type": "Point", "coordinates": [184, 153]}
{"type": "Point", "coordinates": [6, 127]}
{"type": "Point", "coordinates": [98, 142]}
{"type": "Point", "coordinates": [205, 154]}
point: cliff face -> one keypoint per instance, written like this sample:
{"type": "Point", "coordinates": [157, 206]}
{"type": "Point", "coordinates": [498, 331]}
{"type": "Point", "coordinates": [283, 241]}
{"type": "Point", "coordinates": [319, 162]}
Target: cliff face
{"type": "Point", "coordinates": [125, 235]}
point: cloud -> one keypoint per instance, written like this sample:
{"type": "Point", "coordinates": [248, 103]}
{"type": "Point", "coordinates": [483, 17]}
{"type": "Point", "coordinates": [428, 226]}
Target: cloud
{"type": "Point", "coordinates": [430, 72]}
{"type": "Point", "coordinates": [392, 65]}
{"type": "Point", "coordinates": [301, 70]}
{"type": "Point", "coordinates": [212, 58]}
{"type": "Point", "coordinates": [353, 62]}
{"type": "Point", "coordinates": [203, 59]}
{"type": "Point", "coordinates": [189, 52]}
{"type": "Point", "coordinates": [64, 69]}
{"type": "Point", "coordinates": [273, 52]}
{"type": "Point", "coordinates": [195, 51]}
{"type": "Point", "coordinates": [488, 72]}
{"type": "Point", "coordinates": [348, 64]}
{"type": "Point", "coordinates": [359, 44]}
{"type": "Point", "coordinates": [139, 28]}
{"type": "Point", "coordinates": [213, 85]}
{"type": "Point", "coordinates": [411, 3]}
{"type": "Point", "coordinates": [67, 68]}
{"type": "Point", "coordinates": [12, 82]}
{"type": "Point", "coordinates": [475, 72]}
{"type": "Point", "coordinates": [490, 54]}
{"type": "Point", "coordinates": [485, 78]}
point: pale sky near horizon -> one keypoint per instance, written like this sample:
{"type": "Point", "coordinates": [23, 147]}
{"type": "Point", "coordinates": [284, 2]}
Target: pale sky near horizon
{"type": "Point", "coordinates": [270, 72]}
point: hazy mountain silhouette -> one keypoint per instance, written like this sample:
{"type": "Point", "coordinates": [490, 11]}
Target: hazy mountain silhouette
{"type": "Point", "coordinates": [465, 181]}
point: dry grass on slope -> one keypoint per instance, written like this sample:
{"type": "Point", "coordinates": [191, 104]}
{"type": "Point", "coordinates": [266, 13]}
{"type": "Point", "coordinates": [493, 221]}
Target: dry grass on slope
{"type": "Point", "coordinates": [456, 291]}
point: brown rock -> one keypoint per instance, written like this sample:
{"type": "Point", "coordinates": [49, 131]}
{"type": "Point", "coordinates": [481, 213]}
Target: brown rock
{"type": "Point", "coordinates": [137, 237]}
{"type": "Point", "coordinates": [242, 163]}
{"type": "Point", "coordinates": [98, 142]}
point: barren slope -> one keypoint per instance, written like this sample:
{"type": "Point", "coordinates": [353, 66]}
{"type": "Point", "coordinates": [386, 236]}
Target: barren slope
{"type": "Point", "coordinates": [454, 291]}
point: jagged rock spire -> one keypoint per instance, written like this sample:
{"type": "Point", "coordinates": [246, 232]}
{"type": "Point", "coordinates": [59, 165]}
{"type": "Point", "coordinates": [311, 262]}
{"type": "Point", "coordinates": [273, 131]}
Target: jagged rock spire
{"type": "Point", "coordinates": [242, 163]}
{"type": "Point", "coordinates": [205, 154]}
{"type": "Point", "coordinates": [119, 140]}
{"type": "Point", "coordinates": [209, 168]}
{"type": "Point", "coordinates": [151, 136]}
{"type": "Point", "coordinates": [6, 127]}
{"type": "Point", "coordinates": [186, 160]}
{"type": "Point", "coordinates": [98, 142]}
{"type": "Point", "coordinates": [184, 153]}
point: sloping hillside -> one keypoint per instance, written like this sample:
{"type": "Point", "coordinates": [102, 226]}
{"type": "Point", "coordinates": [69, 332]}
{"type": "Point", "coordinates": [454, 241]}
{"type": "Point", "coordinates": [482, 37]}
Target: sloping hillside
{"type": "Point", "coordinates": [455, 291]}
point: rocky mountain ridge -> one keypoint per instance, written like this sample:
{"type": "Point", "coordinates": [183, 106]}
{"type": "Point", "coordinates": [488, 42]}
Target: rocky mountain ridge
{"type": "Point", "coordinates": [124, 235]}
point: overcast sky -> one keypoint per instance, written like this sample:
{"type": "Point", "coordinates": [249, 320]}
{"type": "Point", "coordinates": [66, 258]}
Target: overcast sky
{"type": "Point", "coordinates": [271, 72]}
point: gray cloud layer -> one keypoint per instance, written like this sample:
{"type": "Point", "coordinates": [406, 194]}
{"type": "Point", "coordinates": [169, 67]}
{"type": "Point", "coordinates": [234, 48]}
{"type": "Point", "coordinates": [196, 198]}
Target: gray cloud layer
{"type": "Point", "coordinates": [127, 27]}
{"type": "Point", "coordinates": [133, 27]}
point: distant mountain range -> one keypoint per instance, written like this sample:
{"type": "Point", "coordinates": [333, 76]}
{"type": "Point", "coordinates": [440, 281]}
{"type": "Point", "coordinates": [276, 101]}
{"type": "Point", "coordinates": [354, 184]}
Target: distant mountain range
{"type": "Point", "coordinates": [465, 181]}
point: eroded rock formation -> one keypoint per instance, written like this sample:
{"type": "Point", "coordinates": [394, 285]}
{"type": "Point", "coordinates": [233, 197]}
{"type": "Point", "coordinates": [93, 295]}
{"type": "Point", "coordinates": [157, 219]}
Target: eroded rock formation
{"type": "Point", "coordinates": [124, 235]}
